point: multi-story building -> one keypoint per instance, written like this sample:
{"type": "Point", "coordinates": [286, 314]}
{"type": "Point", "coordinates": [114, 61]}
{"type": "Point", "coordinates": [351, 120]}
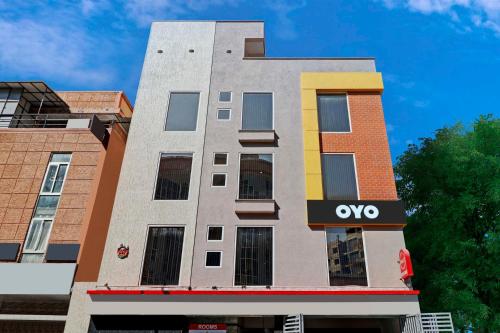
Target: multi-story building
{"type": "Point", "coordinates": [256, 192]}
{"type": "Point", "coordinates": [60, 159]}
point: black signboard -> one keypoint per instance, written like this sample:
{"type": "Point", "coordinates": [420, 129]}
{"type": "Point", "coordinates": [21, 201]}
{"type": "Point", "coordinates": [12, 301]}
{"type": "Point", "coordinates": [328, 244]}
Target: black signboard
{"type": "Point", "coordinates": [352, 212]}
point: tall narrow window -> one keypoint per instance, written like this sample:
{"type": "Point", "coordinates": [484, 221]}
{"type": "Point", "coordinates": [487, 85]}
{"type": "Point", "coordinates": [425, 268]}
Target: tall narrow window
{"type": "Point", "coordinates": [162, 260]}
{"type": "Point", "coordinates": [339, 176]}
{"type": "Point", "coordinates": [45, 209]}
{"type": "Point", "coordinates": [256, 176]}
{"type": "Point", "coordinates": [254, 256]}
{"type": "Point", "coordinates": [257, 111]}
{"type": "Point", "coordinates": [346, 258]}
{"type": "Point", "coordinates": [182, 113]}
{"type": "Point", "coordinates": [174, 174]}
{"type": "Point", "coordinates": [333, 114]}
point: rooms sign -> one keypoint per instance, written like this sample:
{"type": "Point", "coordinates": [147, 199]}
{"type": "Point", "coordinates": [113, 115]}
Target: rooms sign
{"type": "Point", "coordinates": [355, 212]}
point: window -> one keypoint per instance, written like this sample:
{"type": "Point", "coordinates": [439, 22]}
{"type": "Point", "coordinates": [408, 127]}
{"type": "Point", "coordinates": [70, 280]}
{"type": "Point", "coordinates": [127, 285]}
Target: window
{"type": "Point", "coordinates": [220, 159]}
{"type": "Point", "coordinates": [333, 113]}
{"type": "Point", "coordinates": [174, 174]}
{"type": "Point", "coordinates": [162, 260]}
{"type": "Point", "coordinates": [339, 176]}
{"type": "Point", "coordinates": [215, 233]}
{"type": "Point", "coordinates": [45, 208]}
{"type": "Point", "coordinates": [213, 259]}
{"type": "Point", "coordinates": [224, 114]}
{"type": "Point", "coordinates": [9, 100]}
{"type": "Point", "coordinates": [346, 260]}
{"type": "Point", "coordinates": [182, 112]}
{"type": "Point", "coordinates": [256, 176]}
{"type": "Point", "coordinates": [254, 256]}
{"type": "Point", "coordinates": [219, 180]}
{"type": "Point", "coordinates": [257, 111]}
{"type": "Point", "coordinates": [225, 96]}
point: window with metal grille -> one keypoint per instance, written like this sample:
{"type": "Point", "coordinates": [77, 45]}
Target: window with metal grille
{"type": "Point", "coordinates": [174, 174]}
{"type": "Point", "coordinates": [254, 256]}
{"type": "Point", "coordinates": [257, 111]}
{"type": "Point", "coordinates": [256, 176]}
{"type": "Point", "coordinates": [162, 261]}
{"type": "Point", "coordinates": [339, 177]}
{"type": "Point", "coordinates": [182, 113]}
{"type": "Point", "coordinates": [346, 259]}
{"type": "Point", "coordinates": [333, 113]}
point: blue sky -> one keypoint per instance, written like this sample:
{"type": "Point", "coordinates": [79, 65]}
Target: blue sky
{"type": "Point", "coordinates": [440, 58]}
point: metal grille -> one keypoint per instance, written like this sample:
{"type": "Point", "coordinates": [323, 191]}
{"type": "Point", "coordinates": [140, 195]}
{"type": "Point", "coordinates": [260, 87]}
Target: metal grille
{"type": "Point", "coordinates": [346, 259]}
{"type": "Point", "coordinates": [257, 111]}
{"type": "Point", "coordinates": [256, 176]}
{"type": "Point", "coordinates": [294, 324]}
{"type": "Point", "coordinates": [162, 261]}
{"type": "Point", "coordinates": [339, 176]}
{"type": "Point", "coordinates": [333, 114]}
{"type": "Point", "coordinates": [254, 256]}
{"type": "Point", "coordinates": [174, 175]}
{"type": "Point", "coordinates": [427, 323]}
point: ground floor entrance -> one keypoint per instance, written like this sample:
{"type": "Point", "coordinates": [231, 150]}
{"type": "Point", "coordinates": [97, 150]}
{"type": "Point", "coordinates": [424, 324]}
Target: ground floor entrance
{"type": "Point", "coordinates": [242, 324]}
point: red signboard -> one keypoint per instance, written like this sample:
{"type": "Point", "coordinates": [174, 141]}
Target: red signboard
{"type": "Point", "coordinates": [207, 327]}
{"type": "Point", "coordinates": [405, 264]}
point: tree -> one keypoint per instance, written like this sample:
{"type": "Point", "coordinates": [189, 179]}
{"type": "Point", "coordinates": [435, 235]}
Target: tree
{"type": "Point", "coordinates": [451, 188]}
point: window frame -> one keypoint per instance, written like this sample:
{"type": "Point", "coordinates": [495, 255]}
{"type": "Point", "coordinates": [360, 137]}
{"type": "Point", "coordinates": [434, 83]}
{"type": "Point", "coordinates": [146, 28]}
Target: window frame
{"type": "Point", "coordinates": [58, 165]}
{"type": "Point", "coordinates": [239, 171]}
{"type": "Point", "coordinates": [368, 284]}
{"type": "Point", "coordinates": [223, 109]}
{"type": "Point", "coordinates": [230, 96]}
{"type": "Point", "coordinates": [170, 92]}
{"type": "Point", "coordinates": [44, 248]}
{"type": "Point", "coordinates": [348, 111]}
{"type": "Point", "coordinates": [148, 228]}
{"type": "Point", "coordinates": [272, 111]}
{"type": "Point", "coordinates": [355, 172]}
{"type": "Point", "coordinates": [221, 258]}
{"type": "Point", "coordinates": [218, 174]}
{"type": "Point", "coordinates": [220, 165]}
{"type": "Point", "coordinates": [215, 226]}
{"type": "Point", "coordinates": [158, 170]}
{"type": "Point", "coordinates": [273, 254]}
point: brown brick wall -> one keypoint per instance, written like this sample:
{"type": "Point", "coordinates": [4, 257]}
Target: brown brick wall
{"type": "Point", "coordinates": [368, 141]}
{"type": "Point", "coordinates": [24, 155]}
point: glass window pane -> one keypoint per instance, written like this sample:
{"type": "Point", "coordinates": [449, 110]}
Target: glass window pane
{"type": "Point", "coordinates": [61, 173]}
{"type": "Point", "coordinates": [254, 256]}
{"type": "Point", "coordinates": [50, 178]}
{"type": "Point", "coordinates": [219, 179]}
{"type": "Point", "coordinates": [174, 175]}
{"type": "Point", "coordinates": [46, 206]}
{"type": "Point", "coordinates": [339, 177]}
{"type": "Point", "coordinates": [346, 256]}
{"type": "Point", "coordinates": [256, 176]}
{"type": "Point", "coordinates": [213, 259]}
{"type": "Point", "coordinates": [60, 158]}
{"type": "Point", "coordinates": [182, 112]}
{"type": "Point", "coordinates": [257, 111]}
{"type": "Point", "coordinates": [224, 114]}
{"type": "Point", "coordinates": [225, 96]}
{"type": "Point", "coordinates": [32, 238]}
{"type": "Point", "coordinates": [9, 108]}
{"type": "Point", "coordinates": [220, 159]}
{"type": "Point", "coordinates": [215, 233]}
{"type": "Point", "coordinates": [162, 260]}
{"type": "Point", "coordinates": [333, 114]}
{"type": "Point", "coordinates": [44, 235]}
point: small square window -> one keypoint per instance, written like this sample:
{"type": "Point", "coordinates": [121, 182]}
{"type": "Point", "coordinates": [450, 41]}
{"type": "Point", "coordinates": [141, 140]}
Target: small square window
{"type": "Point", "coordinates": [219, 180]}
{"type": "Point", "coordinates": [225, 96]}
{"type": "Point", "coordinates": [215, 233]}
{"type": "Point", "coordinates": [213, 259]}
{"type": "Point", "coordinates": [220, 159]}
{"type": "Point", "coordinates": [223, 114]}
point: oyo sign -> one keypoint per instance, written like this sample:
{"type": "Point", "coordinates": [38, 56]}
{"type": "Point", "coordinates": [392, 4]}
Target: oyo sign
{"type": "Point", "coordinates": [207, 328]}
{"type": "Point", "coordinates": [355, 212]}
{"type": "Point", "coordinates": [405, 264]}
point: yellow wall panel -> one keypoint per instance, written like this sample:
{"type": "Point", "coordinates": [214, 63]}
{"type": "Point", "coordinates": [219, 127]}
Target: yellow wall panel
{"type": "Point", "coordinates": [310, 119]}
{"type": "Point", "coordinates": [311, 140]}
{"type": "Point", "coordinates": [312, 161]}
{"type": "Point", "coordinates": [309, 99]}
{"type": "Point", "coordinates": [345, 81]}
{"type": "Point", "coordinates": [314, 187]}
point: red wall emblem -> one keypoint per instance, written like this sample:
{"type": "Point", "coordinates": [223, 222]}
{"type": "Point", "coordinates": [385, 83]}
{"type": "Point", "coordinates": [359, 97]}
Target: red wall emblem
{"type": "Point", "coordinates": [122, 251]}
{"type": "Point", "coordinates": [405, 264]}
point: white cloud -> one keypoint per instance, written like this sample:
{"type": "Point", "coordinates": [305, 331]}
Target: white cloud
{"type": "Point", "coordinates": [481, 13]}
{"type": "Point", "coordinates": [420, 104]}
{"type": "Point", "coordinates": [285, 28]}
{"type": "Point", "coordinates": [389, 127]}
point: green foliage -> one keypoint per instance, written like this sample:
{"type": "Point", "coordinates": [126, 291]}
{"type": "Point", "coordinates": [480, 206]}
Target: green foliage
{"type": "Point", "coordinates": [451, 187]}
